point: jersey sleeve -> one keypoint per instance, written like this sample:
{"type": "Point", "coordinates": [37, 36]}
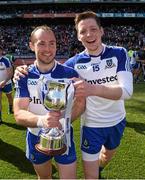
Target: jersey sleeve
{"type": "Point", "coordinates": [123, 60]}
{"type": "Point", "coordinates": [73, 73]}
{"type": "Point", "coordinates": [71, 62]}
{"type": "Point", "coordinates": [22, 88]}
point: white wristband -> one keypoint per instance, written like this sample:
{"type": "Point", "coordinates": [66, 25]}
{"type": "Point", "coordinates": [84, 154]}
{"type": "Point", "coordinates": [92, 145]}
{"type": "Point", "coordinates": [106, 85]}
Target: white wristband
{"type": "Point", "coordinates": [40, 122]}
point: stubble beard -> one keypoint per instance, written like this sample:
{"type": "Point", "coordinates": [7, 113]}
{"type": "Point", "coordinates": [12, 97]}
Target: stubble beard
{"type": "Point", "coordinates": [50, 61]}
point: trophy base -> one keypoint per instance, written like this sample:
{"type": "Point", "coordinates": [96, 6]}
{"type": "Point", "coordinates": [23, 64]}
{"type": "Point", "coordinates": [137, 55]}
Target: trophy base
{"type": "Point", "coordinates": [50, 152]}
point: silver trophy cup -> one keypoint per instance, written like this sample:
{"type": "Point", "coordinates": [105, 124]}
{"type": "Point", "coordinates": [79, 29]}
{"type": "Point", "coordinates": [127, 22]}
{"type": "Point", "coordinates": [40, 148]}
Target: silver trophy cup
{"type": "Point", "coordinates": [54, 98]}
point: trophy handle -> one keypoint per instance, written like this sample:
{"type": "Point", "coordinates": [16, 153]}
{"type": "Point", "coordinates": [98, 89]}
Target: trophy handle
{"type": "Point", "coordinates": [66, 97]}
{"type": "Point", "coordinates": [40, 86]}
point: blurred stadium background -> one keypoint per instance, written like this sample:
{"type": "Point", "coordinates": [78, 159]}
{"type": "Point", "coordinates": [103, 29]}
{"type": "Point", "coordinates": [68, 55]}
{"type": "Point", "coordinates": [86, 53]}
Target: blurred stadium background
{"type": "Point", "coordinates": [123, 21]}
{"type": "Point", "coordinates": [124, 25]}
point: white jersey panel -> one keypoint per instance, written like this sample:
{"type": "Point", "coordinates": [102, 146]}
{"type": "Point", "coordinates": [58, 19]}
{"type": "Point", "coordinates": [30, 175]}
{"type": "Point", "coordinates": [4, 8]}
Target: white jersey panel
{"type": "Point", "coordinates": [98, 115]}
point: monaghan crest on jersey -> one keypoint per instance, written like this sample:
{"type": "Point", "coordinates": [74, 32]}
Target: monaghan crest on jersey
{"type": "Point", "coordinates": [109, 64]}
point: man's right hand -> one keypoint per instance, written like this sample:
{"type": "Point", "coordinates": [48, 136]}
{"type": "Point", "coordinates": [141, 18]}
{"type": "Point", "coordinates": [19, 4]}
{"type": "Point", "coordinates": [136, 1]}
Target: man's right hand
{"type": "Point", "coordinates": [50, 120]}
{"type": "Point", "coordinates": [20, 71]}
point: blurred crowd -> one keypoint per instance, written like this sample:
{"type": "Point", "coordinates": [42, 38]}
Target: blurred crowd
{"type": "Point", "coordinates": [15, 38]}
{"type": "Point", "coordinates": [69, 8]}
{"type": "Point", "coordinates": [14, 33]}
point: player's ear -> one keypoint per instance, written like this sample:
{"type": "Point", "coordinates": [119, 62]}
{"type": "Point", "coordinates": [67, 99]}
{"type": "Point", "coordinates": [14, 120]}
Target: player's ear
{"type": "Point", "coordinates": [78, 36]}
{"type": "Point", "coordinates": [31, 45]}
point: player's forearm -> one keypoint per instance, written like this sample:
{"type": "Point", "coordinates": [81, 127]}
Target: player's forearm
{"type": "Point", "coordinates": [123, 90]}
{"type": "Point", "coordinates": [78, 108]}
{"type": "Point", "coordinates": [108, 92]}
{"type": "Point", "coordinates": [25, 118]}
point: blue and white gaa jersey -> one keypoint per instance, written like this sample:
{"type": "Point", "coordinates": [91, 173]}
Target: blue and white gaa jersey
{"type": "Point", "coordinates": [4, 64]}
{"type": "Point", "coordinates": [102, 70]}
{"type": "Point", "coordinates": [28, 86]}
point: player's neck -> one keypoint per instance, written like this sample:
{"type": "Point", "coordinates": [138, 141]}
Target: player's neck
{"type": "Point", "coordinates": [96, 51]}
{"type": "Point", "coordinates": [45, 67]}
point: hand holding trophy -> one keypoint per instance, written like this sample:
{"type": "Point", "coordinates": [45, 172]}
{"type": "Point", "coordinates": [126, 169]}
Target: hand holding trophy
{"type": "Point", "coordinates": [54, 96]}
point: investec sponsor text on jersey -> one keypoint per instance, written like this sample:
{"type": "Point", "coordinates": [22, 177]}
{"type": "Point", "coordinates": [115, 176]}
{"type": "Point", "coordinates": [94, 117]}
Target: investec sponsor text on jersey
{"type": "Point", "coordinates": [103, 80]}
{"type": "Point", "coordinates": [35, 100]}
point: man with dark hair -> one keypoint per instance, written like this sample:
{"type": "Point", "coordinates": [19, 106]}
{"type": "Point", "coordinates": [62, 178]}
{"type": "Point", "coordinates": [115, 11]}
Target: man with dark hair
{"type": "Point", "coordinates": [107, 82]}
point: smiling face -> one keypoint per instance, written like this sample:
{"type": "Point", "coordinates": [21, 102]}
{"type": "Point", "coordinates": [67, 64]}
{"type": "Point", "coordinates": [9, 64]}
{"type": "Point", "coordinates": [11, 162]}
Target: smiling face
{"type": "Point", "coordinates": [43, 43]}
{"type": "Point", "coordinates": [90, 34]}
